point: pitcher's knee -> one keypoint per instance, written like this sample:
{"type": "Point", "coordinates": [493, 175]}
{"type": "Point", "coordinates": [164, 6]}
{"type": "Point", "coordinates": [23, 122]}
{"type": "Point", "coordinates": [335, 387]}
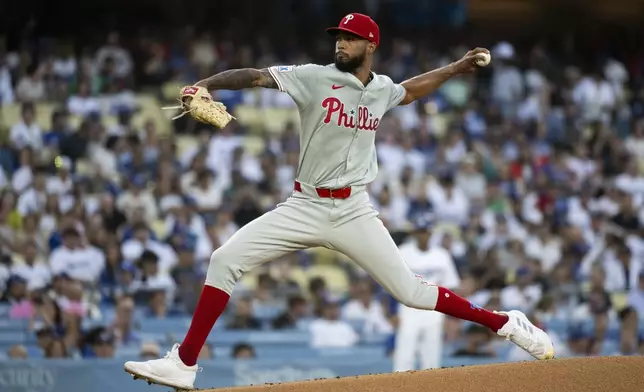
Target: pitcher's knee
{"type": "Point", "coordinates": [419, 295]}
{"type": "Point", "coordinates": [224, 269]}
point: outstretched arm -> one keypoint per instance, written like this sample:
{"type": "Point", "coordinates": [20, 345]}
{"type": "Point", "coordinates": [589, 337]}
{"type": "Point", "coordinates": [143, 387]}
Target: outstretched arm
{"type": "Point", "coordinates": [422, 85]}
{"type": "Point", "coordinates": [237, 79]}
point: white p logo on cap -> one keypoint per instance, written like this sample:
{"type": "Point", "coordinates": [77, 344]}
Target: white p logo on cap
{"type": "Point", "coordinates": [348, 18]}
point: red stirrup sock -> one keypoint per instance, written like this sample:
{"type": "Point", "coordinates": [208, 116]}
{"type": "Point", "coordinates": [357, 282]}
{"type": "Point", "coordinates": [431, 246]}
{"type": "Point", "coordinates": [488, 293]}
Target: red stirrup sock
{"type": "Point", "coordinates": [455, 306]}
{"type": "Point", "coordinates": [211, 305]}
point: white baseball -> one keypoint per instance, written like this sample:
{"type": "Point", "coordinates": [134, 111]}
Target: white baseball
{"type": "Point", "coordinates": [483, 59]}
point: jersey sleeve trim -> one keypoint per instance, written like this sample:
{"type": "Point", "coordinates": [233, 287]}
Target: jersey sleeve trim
{"type": "Point", "coordinates": [271, 70]}
{"type": "Point", "coordinates": [402, 96]}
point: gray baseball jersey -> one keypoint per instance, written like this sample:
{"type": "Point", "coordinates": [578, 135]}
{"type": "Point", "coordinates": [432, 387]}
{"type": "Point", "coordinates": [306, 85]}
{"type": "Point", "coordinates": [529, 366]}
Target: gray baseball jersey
{"type": "Point", "coordinates": [339, 117]}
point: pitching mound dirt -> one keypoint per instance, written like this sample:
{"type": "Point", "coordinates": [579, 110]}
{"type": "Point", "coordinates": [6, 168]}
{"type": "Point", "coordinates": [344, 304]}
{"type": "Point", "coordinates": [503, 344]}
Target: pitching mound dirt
{"type": "Point", "coordinates": [597, 374]}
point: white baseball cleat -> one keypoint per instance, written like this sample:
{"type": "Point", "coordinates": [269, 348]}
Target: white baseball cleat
{"type": "Point", "coordinates": [168, 371]}
{"type": "Point", "coordinates": [526, 335]}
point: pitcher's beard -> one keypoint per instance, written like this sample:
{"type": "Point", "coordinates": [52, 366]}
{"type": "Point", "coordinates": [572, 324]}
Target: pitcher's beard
{"type": "Point", "coordinates": [349, 65]}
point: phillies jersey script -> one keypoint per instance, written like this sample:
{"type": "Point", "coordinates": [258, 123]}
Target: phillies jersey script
{"type": "Point", "coordinates": [339, 117]}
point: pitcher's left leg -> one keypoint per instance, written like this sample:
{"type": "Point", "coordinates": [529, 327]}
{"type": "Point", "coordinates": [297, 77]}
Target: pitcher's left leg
{"type": "Point", "coordinates": [368, 243]}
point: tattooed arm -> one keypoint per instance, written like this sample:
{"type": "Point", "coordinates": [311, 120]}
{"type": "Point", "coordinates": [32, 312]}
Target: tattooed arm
{"type": "Point", "coordinates": [237, 79]}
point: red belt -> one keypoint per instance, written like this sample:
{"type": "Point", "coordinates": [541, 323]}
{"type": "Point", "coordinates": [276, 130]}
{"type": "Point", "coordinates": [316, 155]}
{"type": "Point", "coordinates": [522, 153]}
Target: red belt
{"type": "Point", "coordinates": [342, 193]}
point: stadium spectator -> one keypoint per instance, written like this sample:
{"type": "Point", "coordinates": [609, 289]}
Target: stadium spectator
{"type": "Point", "coordinates": [98, 343]}
{"type": "Point", "coordinates": [296, 310]}
{"type": "Point", "coordinates": [149, 350]}
{"type": "Point", "coordinates": [31, 87]}
{"type": "Point", "coordinates": [26, 132]}
{"type": "Point", "coordinates": [331, 332]}
{"type": "Point", "coordinates": [56, 349]}
{"type": "Point", "coordinates": [476, 339]}
{"type": "Point", "coordinates": [243, 317]}
{"type": "Point", "coordinates": [366, 309]}
{"type": "Point", "coordinates": [243, 351]}
{"type": "Point", "coordinates": [18, 351]}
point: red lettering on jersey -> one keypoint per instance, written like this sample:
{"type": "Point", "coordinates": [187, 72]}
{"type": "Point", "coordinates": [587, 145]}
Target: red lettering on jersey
{"type": "Point", "coordinates": [331, 105]}
{"type": "Point", "coordinates": [361, 119]}
{"type": "Point", "coordinates": [344, 120]}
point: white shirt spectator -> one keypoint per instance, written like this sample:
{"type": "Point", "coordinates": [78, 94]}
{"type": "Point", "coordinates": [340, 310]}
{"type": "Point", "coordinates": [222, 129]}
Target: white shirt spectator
{"type": "Point", "coordinates": [59, 186]}
{"type": "Point", "coordinates": [250, 168]}
{"type": "Point", "coordinates": [22, 179]}
{"type": "Point", "coordinates": [395, 213]}
{"type": "Point", "coordinates": [391, 157]}
{"type": "Point", "coordinates": [594, 98]}
{"type": "Point", "coordinates": [548, 253]}
{"type": "Point", "coordinates": [578, 215]}
{"type": "Point", "coordinates": [132, 249]}
{"type": "Point", "coordinates": [211, 197]}
{"type": "Point", "coordinates": [456, 152]}
{"type": "Point", "coordinates": [30, 89]}
{"type": "Point", "coordinates": [23, 135]}
{"type": "Point", "coordinates": [407, 117]}
{"type": "Point", "coordinates": [122, 100]}
{"type": "Point", "coordinates": [605, 205]}
{"type": "Point", "coordinates": [161, 281]}
{"type": "Point", "coordinates": [514, 297]}
{"type": "Point", "coordinates": [372, 316]}
{"type": "Point", "coordinates": [220, 152]}
{"type": "Point", "coordinates": [530, 210]}
{"type": "Point", "coordinates": [104, 160]}
{"type": "Point", "coordinates": [454, 209]}
{"type": "Point", "coordinates": [630, 184]}
{"type": "Point", "coordinates": [31, 201]}
{"type": "Point", "coordinates": [617, 75]}
{"type": "Point", "coordinates": [83, 106]}
{"type": "Point", "coordinates": [615, 274]}
{"type": "Point", "coordinates": [582, 167]}
{"type": "Point", "coordinates": [332, 334]}
{"type": "Point", "coordinates": [84, 264]}
{"type": "Point", "coordinates": [128, 202]}
{"type": "Point", "coordinates": [65, 67]}
{"type": "Point", "coordinates": [616, 277]}
{"type": "Point", "coordinates": [122, 59]}
{"type": "Point", "coordinates": [473, 185]}
{"type": "Point", "coordinates": [37, 275]}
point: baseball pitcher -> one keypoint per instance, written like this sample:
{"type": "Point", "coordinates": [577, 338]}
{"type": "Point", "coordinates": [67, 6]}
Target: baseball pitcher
{"type": "Point", "coordinates": [340, 106]}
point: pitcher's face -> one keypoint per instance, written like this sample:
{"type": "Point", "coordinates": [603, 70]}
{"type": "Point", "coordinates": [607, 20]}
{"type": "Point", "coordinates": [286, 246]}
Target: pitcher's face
{"type": "Point", "coordinates": [351, 51]}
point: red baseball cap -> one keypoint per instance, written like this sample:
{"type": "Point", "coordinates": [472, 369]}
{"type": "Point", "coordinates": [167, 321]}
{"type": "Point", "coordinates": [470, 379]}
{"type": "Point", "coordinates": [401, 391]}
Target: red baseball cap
{"type": "Point", "coordinates": [359, 24]}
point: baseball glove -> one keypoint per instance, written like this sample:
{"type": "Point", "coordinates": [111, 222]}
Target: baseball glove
{"type": "Point", "coordinates": [197, 102]}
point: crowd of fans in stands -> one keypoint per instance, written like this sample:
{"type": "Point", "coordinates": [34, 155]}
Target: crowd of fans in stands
{"type": "Point", "coordinates": [532, 169]}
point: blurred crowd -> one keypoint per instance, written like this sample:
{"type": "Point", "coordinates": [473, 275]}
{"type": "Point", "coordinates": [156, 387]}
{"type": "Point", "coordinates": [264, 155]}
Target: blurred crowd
{"type": "Point", "coordinates": [531, 169]}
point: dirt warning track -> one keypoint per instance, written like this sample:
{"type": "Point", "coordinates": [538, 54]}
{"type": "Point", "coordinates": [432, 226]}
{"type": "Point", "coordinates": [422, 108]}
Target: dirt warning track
{"type": "Point", "coordinates": [594, 374]}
